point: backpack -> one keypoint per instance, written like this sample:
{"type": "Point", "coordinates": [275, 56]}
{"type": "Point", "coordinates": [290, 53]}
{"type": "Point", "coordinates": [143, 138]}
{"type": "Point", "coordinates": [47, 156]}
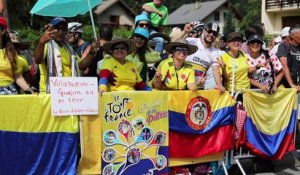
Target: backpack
{"type": "Point", "coordinates": [35, 73]}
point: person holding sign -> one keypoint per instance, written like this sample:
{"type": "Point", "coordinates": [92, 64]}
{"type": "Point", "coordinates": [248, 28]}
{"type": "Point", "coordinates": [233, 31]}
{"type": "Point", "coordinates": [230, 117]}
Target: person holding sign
{"type": "Point", "coordinates": [117, 73]}
{"type": "Point", "coordinates": [175, 73]}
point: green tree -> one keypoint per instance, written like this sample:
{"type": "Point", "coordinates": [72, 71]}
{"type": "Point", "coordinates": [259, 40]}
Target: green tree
{"type": "Point", "coordinates": [229, 25]}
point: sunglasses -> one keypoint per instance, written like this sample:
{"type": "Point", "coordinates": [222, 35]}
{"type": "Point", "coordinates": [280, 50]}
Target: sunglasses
{"type": "Point", "coordinates": [143, 25]}
{"type": "Point", "coordinates": [212, 32]}
{"type": "Point", "coordinates": [120, 48]}
{"type": "Point", "coordinates": [182, 50]}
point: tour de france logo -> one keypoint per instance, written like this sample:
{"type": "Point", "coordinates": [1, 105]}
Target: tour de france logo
{"type": "Point", "coordinates": [198, 113]}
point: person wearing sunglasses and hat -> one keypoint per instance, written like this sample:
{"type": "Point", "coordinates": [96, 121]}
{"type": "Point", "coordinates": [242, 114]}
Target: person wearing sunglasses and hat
{"type": "Point", "coordinates": [10, 67]}
{"type": "Point", "coordinates": [143, 54]}
{"type": "Point", "coordinates": [175, 73]}
{"type": "Point", "coordinates": [203, 58]}
{"type": "Point", "coordinates": [234, 66]}
{"type": "Point", "coordinates": [268, 74]}
{"type": "Point", "coordinates": [117, 73]}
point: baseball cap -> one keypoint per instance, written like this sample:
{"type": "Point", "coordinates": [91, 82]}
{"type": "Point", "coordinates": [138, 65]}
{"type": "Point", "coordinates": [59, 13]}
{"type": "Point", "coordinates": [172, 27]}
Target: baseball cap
{"type": "Point", "coordinates": [141, 31]}
{"type": "Point", "coordinates": [256, 37]}
{"type": "Point", "coordinates": [3, 22]}
{"type": "Point", "coordinates": [285, 31]}
{"type": "Point", "coordinates": [212, 26]}
{"type": "Point", "coordinates": [277, 39]}
{"type": "Point", "coordinates": [58, 20]}
{"type": "Point", "coordinates": [141, 17]}
{"type": "Point", "coordinates": [234, 35]}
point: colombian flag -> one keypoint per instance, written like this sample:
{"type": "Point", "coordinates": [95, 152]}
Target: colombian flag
{"type": "Point", "coordinates": [270, 123]}
{"type": "Point", "coordinates": [33, 141]}
{"type": "Point", "coordinates": [200, 123]}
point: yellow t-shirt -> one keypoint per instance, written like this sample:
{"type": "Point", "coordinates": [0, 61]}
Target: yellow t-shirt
{"type": "Point", "coordinates": [240, 67]}
{"type": "Point", "coordinates": [24, 64]}
{"type": "Point", "coordinates": [122, 77]}
{"type": "Point", "coordinates": [6, 72]}
{"type": "Point", "coordinates": [66, 67]}
{"type": "Point", "coordinates": [176, 79]}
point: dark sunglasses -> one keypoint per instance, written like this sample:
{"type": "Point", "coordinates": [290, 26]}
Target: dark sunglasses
{"type": "Point", "coordinates": [182, 49]}
{"type": "Point", "coordinates": [120, 48]}
{"type": "Point", "coordinates": [143, 25]}
{"type": "Point", "coordinates": [212, 32]}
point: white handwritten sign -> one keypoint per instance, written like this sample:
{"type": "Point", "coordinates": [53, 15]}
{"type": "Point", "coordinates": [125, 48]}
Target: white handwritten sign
{"type": "Point", "coordinates": [74, 96]}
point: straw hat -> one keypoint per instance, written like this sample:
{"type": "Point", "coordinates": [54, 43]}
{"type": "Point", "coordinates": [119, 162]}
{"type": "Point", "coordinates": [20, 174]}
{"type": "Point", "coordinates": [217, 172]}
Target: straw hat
{"type": "Point", "coordinates": [16, 40]}
{"type": "Point", "coordinates": [117, 40]}
{"type": "Point", "coordinates": [181, 42]}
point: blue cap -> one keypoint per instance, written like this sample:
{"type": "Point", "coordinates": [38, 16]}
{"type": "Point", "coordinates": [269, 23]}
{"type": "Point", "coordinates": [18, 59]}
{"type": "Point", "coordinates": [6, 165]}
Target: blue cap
{"type": "Point", "coordinates": [58, 20]}
{"type": "Point", "coordinates": [141, 17]}
{"type": "Point", "coordinates": [141, 31]}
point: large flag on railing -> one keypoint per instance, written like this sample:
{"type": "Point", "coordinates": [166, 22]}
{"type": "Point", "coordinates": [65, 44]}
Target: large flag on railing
{"type": "Point", "coordinates": [34, 142]}
{"type": "Point", "coordinates": [270, 122]}
{"type": "Point", "coordinates": [201, 123]}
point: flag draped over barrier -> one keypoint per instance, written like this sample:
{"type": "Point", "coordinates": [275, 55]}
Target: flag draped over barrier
{"type": "Point", "coordinates": [270, 123]}
{"type": "Point", "coordinates": [33, 141]}
{"type": "Point", "coordinates": [200, 123]}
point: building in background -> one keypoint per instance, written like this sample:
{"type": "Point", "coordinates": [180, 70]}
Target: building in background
{"type": "Point", "coordinates": [277, 14]}
{"type": "Point", "coordinates": [115, 13]}
{"type": "Point", "coordinates": [209, 11]}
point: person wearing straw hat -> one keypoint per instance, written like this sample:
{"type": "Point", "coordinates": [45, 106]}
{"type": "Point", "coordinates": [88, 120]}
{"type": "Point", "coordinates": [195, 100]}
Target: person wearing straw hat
{"type": "Point", "coordinates": [10, 68]}
{"type": "Point", "coordinates": [117, 73]}
{"type": "Point", "coordinates": [234, 66]}
{"type": "Point", "coordinates": [175, 73]}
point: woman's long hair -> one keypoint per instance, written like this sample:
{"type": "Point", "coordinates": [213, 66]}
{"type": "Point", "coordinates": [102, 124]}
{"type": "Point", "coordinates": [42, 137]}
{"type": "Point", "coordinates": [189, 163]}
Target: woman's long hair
{"type": "Point", "coordinates": [10, 51]}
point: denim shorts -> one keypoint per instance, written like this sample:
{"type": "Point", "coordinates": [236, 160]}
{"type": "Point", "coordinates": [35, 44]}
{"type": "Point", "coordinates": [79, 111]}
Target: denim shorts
{"type": "Point", "coordinates": [8, 90]}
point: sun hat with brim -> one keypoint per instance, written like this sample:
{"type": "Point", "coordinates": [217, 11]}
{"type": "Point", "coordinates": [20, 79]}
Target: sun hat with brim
{"type": "Point", "coordinates": [181, 42]}
{"type": "Point", "coordinates": [16, 40]}
{"type": "Point", "coordinates": [107, 47]}
{"type": "Point", "coordinates": [255, 37]}
{"type": "Point", "coordinates": [235, 35]}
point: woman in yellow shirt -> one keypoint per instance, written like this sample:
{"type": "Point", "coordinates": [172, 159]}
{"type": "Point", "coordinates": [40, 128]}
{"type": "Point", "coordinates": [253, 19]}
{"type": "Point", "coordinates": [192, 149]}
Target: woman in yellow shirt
{"type": "Point", "coordinates": [117, 73]}
{"type": "Point", "coordinates": [175, 73]}
{"type": "Point", "coordinates": [10, 68]}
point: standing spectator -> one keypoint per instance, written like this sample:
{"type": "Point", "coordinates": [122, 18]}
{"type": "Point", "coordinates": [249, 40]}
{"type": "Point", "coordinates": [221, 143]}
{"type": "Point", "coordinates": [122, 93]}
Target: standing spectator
{"type": "Point", "coordinates": [289, 55]}
{"type": "Point", "coordinates": [10, 68]}
{"type": "Point", "coordinates": [93, 56]}
{"type": "Point", "coordinates": [144, 53]}
{"type": "Point", "coordinates": [21, 46]}
{"type": "Point", "coordinates": [203, 58]}
{"type": "Point", "coordinates": [142, 21]}
{"type": "Point", "coordinates": [175, 73]}
{"type": "Point", "coordinates": [117, 73]}
{"type": "Point", "coordinates": [75, 38]}
{"type": "Point", "coordinates": [54, 56]}
{"type": "Point", "coordinates": [285, 32]}
{"type": "Point", "coordinates": [158, 15]}
{"type": "Point", "coordinates": [268, 74]}
{"type": "Point", "coordinates": [234, 66]}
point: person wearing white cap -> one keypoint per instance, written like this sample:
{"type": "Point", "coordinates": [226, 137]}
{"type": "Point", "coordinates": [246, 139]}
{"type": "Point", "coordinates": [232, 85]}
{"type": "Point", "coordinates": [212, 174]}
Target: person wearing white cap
{"type": "Point", "coordinates": [75, 38]}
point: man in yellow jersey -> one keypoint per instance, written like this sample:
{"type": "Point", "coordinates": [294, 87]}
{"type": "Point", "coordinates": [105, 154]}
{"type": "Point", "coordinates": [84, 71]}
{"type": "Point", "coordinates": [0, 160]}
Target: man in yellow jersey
{"type": "Point", "coordinates": [54, 56]}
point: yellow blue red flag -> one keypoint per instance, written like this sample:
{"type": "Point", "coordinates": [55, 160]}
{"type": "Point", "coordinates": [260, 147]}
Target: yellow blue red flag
{"type": "Point", "coordinates": [270, 123]}
{"type": "Point", "coordinates": [201, 123]}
